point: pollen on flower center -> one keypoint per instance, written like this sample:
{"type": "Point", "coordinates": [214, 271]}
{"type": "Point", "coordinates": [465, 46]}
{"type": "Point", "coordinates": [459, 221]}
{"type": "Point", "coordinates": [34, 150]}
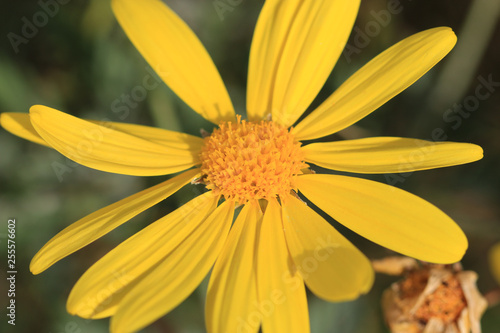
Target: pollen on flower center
{"type": "Point", "coordinates": [246, 160]}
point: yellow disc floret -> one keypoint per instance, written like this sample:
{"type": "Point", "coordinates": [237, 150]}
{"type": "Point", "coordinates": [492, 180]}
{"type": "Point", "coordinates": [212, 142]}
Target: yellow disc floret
{"type": "Point", "coordinates": [245, 160]}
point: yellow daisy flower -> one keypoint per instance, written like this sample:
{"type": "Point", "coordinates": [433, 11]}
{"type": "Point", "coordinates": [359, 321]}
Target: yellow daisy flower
{"type": "Point", "coordinates": [277, 243]}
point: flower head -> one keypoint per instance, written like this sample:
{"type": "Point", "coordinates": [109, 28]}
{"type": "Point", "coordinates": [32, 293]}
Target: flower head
{"type": "Point", "coordinates": [244, 161]}
{"type": "Point", "coordinates": [277, 243]}
{"type": "Point", "coordinates": [431, 298]}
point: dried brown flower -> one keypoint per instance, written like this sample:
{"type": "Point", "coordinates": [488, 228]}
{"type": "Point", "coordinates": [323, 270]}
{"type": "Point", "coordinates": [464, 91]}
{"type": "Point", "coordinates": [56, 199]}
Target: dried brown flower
{"type": "Point", "coordinates": [431, 298]}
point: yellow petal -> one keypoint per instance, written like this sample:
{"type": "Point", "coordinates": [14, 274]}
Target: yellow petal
{"type": "Point", "coordinates": [103, 286]}
{"type": "Point", "coordinates": [175, 53]}
{"type": "Point", "coordinates": [377, 82]}
{"type": "Point", "coordinates": [387, 216]}
{"type": "Point", "coordinates": [170, 139]}
{"type": "Point", "coordinates": [294, 48]}
{"type": "Point", "coordinates": [232, 291]}
{"type": "Point", "coordinates": [280, 288]}
{"type": "Point", "coordinates": [20, 124]}
{"type": "Point", "coordinates": [108, 149]}
{"type": "Point", "coordinates": [99, 223]}
{"type": "Point", "coordinates": [495, 261]}
{"type": "Point", "coordinates": [389, 154]}
{"type": "Point", "coordinates": [177, 275]}
{"type": "Point", "coordinates": [331, 266]}
{"type": "Point", "coordinates": [104, 305]}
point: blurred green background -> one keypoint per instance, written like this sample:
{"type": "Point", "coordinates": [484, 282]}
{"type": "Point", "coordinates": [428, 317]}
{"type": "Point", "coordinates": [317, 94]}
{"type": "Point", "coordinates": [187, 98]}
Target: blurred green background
{"type": "Point", "coordinates": [79, 61]}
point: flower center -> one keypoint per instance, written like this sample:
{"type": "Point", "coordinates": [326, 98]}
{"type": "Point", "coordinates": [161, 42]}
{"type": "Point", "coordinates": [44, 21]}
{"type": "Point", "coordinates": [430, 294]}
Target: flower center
{"type": "Point", "coordinates": [245, 160]}
{"type": "Point", "coordinates": [446, 302]}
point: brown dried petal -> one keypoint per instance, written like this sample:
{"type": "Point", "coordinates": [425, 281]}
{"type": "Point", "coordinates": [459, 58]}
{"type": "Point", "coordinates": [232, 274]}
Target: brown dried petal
{"type": "Point", "coordinates": [434, 299]}
{"type": "Point", "coordinates": [476, 303]}
{"type": "Point", "coordinates": [395, 265]}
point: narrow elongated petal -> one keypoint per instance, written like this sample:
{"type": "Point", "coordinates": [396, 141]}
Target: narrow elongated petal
{"type": "Point", "coordinates": [389, 154]}
{"type": "Point", "coordinates": [331, 266]}
{"type": "Point", "coordinates": [19, 124]}
{"type": "Point", "coordinates": [280, 288]}
{"type": "Point", "coordinates": [176, 276]}
{"type": "Point", "coordinates": [387, 216]}
{"type": "Point", "coordinates": [294, 48]}
{"type": "Point", "coordinates": [232, 291]}
{"type": "Point", "coordinates": [381, 79]}
{"type": "Point", "coordinates": [108, 149]}
{"type": "Point", "coordinates": [177, 56]}
{"type": "Point", "coordinates": [129, 262]}
{"type": "Point", "coordinates": [170, 139]}
{"type": "Point", "coordinates": [99, 223]}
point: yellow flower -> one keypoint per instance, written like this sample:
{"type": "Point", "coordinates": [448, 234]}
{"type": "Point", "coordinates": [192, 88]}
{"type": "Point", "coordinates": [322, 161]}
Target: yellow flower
{"type": "Point", "coordinates": [277, 243]}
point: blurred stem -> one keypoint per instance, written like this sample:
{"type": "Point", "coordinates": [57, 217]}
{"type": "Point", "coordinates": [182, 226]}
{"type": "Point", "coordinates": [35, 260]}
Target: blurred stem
{"type": "Point", "coordinates": [461, 65]}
